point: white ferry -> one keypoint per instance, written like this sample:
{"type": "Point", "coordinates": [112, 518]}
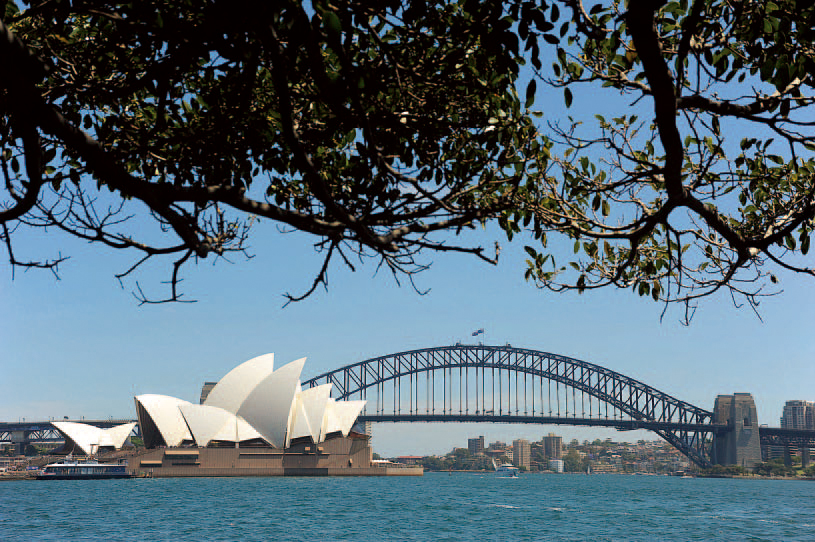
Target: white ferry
{"type": "Point", "coordinates": [505, 470]}
{"type": "Point", "coordinates": [83, 470]}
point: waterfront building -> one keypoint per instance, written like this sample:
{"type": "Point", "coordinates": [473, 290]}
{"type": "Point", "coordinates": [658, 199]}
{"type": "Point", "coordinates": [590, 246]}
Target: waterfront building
{"type": "Point", "coordinates": [497, 453]}
{"type": "Point", "coordinates": [205, 389]}
{"type": "Point", "coordinates": [798, 415]}
{"type": "Point", "coordinates": [553, 446]}
{"type": "Point", "coordinates": [498, 449]}
{"type": "Point", "coordinates": [556, 465]}
{"type": "Point", "coordinates": [604, 468]}
{"type": "Point", "coordinates": [521, 453]}
{"type": "Point", "coordinates": [476, 445]}
{"type": "Point", "coordinates": [409, 459]}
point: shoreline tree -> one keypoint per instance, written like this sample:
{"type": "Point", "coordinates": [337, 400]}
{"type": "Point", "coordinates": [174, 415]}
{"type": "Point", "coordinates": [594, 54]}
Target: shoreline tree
{"type": "Point", "coordinates": [385, 128]}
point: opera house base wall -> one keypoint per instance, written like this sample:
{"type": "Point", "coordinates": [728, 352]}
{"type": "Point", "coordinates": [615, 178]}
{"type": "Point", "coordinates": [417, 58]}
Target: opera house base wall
{"type": "Point", "coordinates": [342, 456]}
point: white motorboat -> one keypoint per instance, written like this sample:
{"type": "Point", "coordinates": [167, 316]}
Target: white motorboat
{"type": "Point", "coordinates": [505, 470]}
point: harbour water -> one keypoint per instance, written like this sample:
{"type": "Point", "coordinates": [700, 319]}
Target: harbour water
{"type": "Point", "coordinates": [437, 506]}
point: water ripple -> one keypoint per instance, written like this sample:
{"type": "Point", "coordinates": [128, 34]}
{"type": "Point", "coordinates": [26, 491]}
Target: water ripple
{"type": "Point", "coordinates": [433, 507]}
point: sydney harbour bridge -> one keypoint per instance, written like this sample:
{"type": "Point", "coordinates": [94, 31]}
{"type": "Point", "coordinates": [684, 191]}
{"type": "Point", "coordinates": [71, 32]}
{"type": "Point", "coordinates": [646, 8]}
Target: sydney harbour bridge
{"type": "Point", "coordinates": [505, 384]}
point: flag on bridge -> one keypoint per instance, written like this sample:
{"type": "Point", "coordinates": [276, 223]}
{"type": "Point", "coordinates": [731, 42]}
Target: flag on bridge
{"type": "Point", "coordinates": [478, 332]}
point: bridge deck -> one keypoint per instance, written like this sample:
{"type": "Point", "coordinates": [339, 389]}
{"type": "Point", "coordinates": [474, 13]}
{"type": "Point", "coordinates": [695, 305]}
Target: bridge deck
{"type": "Point", "coordinates": [623, 425]}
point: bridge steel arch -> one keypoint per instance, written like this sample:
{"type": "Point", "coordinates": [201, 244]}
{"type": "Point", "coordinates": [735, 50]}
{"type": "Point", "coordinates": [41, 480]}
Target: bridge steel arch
{"type": "Point", "coordinates": [408, 381]}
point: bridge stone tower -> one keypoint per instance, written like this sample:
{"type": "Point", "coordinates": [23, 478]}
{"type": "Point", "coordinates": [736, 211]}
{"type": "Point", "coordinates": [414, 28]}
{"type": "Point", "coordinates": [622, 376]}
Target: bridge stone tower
{"type": "Point", "coordinates": [20, 440]}
{"type": "Point", "coordinates": [742, 444]}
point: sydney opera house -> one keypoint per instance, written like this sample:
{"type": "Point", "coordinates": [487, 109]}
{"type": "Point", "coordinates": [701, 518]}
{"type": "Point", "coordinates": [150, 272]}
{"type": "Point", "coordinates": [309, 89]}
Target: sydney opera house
{"type": "Point", "coordinates": [257, 420]}
{"type": "Point", "coordinates": [253, 405]}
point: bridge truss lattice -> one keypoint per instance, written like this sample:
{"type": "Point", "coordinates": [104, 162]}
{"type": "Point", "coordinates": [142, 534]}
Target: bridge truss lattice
{"type": "Point", "coordinates": [504, 384]}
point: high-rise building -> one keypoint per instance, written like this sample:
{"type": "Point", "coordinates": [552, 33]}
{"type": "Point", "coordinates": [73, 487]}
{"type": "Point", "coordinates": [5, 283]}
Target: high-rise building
{"type": "Point", "coordinates": [521, 453]}
{"type": "Point", "coordinates": [476, 445]}
{"type": "Point", "coordinates": [205, 389]}
{"type": "Point", "coordinates": [798, 415]}
{"type": "Point", "coordinates": [553, 446]}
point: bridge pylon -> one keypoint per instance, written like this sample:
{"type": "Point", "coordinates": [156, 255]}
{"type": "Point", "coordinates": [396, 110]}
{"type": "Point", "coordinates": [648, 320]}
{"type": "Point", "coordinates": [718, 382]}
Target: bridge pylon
{"type": "Point", "coordinates": [20, 440]}
{"type": "Point", "coordinates": [741, 445]}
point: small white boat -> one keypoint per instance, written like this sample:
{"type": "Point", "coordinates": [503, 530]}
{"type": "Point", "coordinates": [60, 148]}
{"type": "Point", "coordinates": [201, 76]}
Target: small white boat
{"type": "Point", "coordinates": [505, 470]}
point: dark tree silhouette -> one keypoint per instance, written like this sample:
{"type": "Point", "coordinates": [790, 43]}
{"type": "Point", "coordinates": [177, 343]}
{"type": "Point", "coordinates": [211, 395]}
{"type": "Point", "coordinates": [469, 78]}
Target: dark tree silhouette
{"type": "Point", "coordinates": [385, 128]}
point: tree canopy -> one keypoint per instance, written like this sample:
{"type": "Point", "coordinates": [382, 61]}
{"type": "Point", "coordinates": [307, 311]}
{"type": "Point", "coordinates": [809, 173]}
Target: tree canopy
{"type": "Point", "coordinates": [385, 128]}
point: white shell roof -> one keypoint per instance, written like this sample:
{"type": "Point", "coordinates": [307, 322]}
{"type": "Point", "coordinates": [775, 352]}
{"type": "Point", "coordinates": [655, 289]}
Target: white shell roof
{"type": "Point", "coordinates": [341, 415]}
{"type": "Point", "coordinates": [251, 401]}
{"type": "Point", "coordinates": [309, 412]}
{"type": "Point", "coordinates": [208, 423]}
{"type": "Point", "coordinates": [165, 413]}
{"type": "Point", "coordinates": [89, 437]}
{"type": "Point", "coordinates": [268, 406]}
{"type": "Point", "coordinates": [245, 431]}
{"type": "Point", "coordinates": [204, 422]}
{"type": "Point", "coordinates": [299, 425]}
{"type": "Point", "coordinates": [232, 390]}
{"type": "Point", "coordinates": [84, 436]}
{"type": "Point", "coordinates": [117, 435]}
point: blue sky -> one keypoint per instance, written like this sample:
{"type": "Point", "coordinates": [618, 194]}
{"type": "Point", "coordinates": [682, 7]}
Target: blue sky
{"type": "Point", "coordinates": [82, 347]}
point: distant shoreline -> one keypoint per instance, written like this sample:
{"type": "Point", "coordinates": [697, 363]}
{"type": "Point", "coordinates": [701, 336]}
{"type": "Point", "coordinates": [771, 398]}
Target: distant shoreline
{"type": "Point", "coordinates": [734, 476]}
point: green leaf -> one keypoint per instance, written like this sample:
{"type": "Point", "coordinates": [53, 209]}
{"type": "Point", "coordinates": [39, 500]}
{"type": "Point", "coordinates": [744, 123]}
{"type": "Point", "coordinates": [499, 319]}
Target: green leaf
{"type": "Point", "coordinates": [567, 96]}
{"type": "Point", "coordinates": [531, 88]}
{"type": "Point", "coordinates": [785, 108]}
{"type": "Point", "coordinates": [332, 25]}
{"type": "Point", "coordinates": [531, 251]}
